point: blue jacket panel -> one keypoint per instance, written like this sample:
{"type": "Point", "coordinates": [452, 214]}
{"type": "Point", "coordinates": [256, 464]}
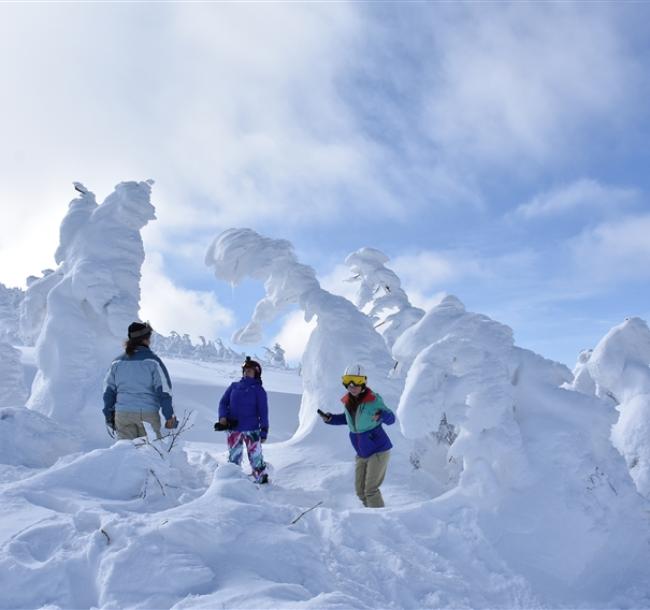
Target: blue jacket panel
{"type": "Point", "coordinates": [374, 440]}
{"type": "Point", "coordinates": [138, 383]}
{"type": "Point", "coordinates": [245, 400]}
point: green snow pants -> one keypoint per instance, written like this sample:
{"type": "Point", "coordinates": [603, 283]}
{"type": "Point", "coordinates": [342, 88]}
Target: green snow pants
{"type": "Point", "coordinates": [369, 475]}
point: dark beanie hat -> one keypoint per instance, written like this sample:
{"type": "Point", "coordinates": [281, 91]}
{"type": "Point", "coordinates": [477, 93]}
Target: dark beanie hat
{"type": "Point", "coordinates": [139, 329]}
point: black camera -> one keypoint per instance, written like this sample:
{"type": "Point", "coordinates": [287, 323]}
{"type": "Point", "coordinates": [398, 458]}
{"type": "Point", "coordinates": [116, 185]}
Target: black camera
{"type": "Point", "coordinates": [229, 425]}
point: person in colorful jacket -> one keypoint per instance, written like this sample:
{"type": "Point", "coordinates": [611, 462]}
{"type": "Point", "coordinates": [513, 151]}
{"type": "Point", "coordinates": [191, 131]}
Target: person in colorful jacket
{"type": "Point", "coordinates": [243, 411]}
{"type": "Point", "coordinates": [364, 414]}
{"type": "Point", "coordinates": [137, 386]}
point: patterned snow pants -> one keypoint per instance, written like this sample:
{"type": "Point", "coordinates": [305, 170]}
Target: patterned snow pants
{"type": "Point", "coordinates": [252, 439]}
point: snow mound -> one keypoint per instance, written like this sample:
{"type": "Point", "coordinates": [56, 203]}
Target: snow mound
{"type": "Point", "coordinates": [33, 440]}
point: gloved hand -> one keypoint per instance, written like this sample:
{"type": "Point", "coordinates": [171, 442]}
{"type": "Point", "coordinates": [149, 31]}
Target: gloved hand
{"type": "Point", "coordinates": [110, 421]}
{"type": "Point", "coordinates": [325, 416]}
{"type": "Point", "coordinates": [225, 424]}
{"type": "Point", "coordinates": [172, 422]}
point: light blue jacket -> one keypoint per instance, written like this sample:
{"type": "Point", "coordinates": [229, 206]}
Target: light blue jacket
{"type": "Point", "coordinates": [138, 383]}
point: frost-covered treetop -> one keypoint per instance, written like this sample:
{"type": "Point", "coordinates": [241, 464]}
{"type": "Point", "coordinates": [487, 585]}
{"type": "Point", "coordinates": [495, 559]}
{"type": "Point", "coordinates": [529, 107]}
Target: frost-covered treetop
{"type": "Point", "coordinates": [381, 290]}
{"type": "Point", "coordinates": [240, 253]}
{"type": "Point", "coordinates": [618, 372]}
{"type": "Point", "coordinates": [440, 321]}
{"type": "Point", "coordinates": [619, 363]}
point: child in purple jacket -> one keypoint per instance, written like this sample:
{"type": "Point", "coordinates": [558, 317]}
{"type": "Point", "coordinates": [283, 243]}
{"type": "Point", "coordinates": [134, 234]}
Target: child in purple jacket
{"type": "Point", "coordinates": [243, 411]}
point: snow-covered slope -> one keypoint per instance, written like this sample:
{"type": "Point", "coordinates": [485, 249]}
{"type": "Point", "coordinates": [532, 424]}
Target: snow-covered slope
{"type": "Point", "coordinates": [96, 530]}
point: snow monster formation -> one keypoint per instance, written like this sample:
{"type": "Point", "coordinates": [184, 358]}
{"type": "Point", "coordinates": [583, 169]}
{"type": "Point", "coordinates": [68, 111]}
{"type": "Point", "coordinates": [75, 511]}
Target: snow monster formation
{"type": "Point", "coordinates": [342, 335]}
{"type": "Point", "coordinates": [618, 372]}
{"type": "Point", "coordinates": [531, 459]}
{"type": "Point", "coordinates": [380, 290]}
{"type": "Point", "coordinates": [90, 300]}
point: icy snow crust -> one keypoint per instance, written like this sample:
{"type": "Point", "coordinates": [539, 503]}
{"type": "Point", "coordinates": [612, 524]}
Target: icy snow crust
{"type": "Point", "coordinates": [504, 489]}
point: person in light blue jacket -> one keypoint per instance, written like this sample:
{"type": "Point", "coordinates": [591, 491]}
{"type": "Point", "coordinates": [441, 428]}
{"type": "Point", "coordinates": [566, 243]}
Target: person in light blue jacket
{"type": "Point", "coordinates": [137, 386]}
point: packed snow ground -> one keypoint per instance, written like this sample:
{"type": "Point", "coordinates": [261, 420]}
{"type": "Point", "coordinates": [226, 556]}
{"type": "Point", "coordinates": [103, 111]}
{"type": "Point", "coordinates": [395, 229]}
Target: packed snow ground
{"type": "Point", "coordinates": [96, 530]}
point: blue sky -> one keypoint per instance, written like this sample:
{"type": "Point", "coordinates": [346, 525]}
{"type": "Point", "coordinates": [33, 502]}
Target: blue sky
{"type": "Point", "coordinates": [496, 151]}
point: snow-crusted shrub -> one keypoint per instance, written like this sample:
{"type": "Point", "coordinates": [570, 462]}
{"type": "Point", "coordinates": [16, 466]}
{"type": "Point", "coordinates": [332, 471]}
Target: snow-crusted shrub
{"type": "Point", "coordinates": [12, 384]}
{"type": "Point", "coordinates": [618, 372]}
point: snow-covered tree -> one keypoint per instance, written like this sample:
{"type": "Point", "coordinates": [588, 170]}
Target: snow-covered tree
{"type": "Point", "coordinates": [91, 299]}
{"type": "Point", "coordinates": [380, 294]}
{"type": "Point", "coordinates": [33, 307]}
{"type": "Point", "coordinates": [618, 372]}
{"type": "Point", "coordinates": [342, 335]}
{"type": "Point", "coordinates": [461, 376]}
{"type": "Point", "coordinates": [13, 392]}
{"type": "Point", "coordinates": [275, 356]}
{"type": "Point", "coordinates": [518, 438]}
{"type": "Point", "coordinates": [10, 300]}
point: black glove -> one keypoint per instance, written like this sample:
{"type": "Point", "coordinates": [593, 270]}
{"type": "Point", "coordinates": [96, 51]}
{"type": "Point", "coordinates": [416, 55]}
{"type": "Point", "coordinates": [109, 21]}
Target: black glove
{"type": "Point", "coordinates": [326, 416]}
{"type": "Point", "coordinates": [110, 420]}
{"type": "Point", "coordinates": [231, 423]}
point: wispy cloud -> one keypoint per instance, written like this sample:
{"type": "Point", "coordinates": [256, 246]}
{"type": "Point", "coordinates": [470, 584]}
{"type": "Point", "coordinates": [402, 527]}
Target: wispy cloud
{"type": "Point", "coordinates": [428, 271]}
{"type": "Point", "coordinates": [585, 195]}
{"type": "Point", "coordinates": [525, 82]}
{"type": "Point", "coordinates": [613, 252]}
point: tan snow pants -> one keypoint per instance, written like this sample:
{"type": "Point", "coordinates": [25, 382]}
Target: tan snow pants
{"type": "Point", "coordinates": [369, 475]}
{"type": "Point", "coordinates": [129, 425]}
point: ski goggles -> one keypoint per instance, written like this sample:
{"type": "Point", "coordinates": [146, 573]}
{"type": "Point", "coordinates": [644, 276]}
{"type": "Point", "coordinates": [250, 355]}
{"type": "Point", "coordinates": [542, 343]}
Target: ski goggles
{"type": "Point", "coordinates": [353, 380]}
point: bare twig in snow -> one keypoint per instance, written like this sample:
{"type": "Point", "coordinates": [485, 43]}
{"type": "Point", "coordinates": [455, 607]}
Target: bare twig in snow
{"type": "Point", "coordinates": [304, 512]}
{"type": "Point", "coordinates": [108, 538]}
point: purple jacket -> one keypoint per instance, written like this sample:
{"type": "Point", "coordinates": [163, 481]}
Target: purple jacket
{"type": "Point", "coordinates": [245, 400]}
{"type": "Point", "coordinates": [366, 435]}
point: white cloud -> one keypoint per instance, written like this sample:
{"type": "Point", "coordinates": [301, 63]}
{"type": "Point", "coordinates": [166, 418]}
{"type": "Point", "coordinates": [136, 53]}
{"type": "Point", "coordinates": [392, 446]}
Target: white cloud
{"type": "Point", "coordinates": [428, 271]}
{"type": "Point", "coordinates": [169, 307]}
{"type": "Point", "coordinates": [294, 334]}
{"type": "Point", "coordinates": [233, 109]}
{"type": "Point", "coordinates": [336, 282]}
{"type": "Point", "coordinates": [585, 194]}
{"type": "Point", "coordinates": [524, 83]}
{"type": "Point", "coordinates": [613, 251]}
